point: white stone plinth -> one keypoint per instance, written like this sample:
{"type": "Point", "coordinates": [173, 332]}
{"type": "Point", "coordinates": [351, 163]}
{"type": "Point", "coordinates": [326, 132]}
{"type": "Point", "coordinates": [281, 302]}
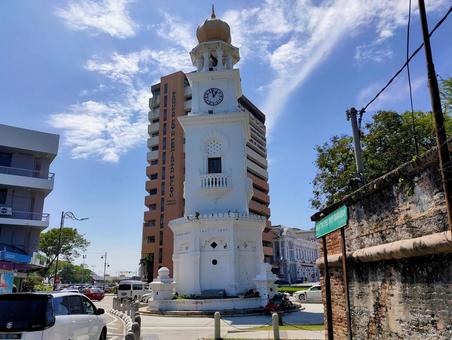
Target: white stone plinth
{"type": "Point", "coordinates": [163, 286]}
{"type": "Point", "coordinates": [265, 282]}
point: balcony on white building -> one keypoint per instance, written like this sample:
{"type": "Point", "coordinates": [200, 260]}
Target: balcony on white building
{"type": "Point", "coordinates": [153, 127]}
{"type": "Point", "coordinates": [26, 178]}
{"type": "Point", "coordinates": [9, 216]}
{"type": "Point", "coordinates": [215, 183]}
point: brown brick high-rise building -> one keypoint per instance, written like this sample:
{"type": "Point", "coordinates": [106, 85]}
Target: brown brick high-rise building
{"type": "Point", "coordinates": [165, 171]}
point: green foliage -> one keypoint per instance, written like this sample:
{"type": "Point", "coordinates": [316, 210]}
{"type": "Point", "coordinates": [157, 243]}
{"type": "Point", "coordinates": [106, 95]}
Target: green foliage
{"type": "Point", "coordinates": [41, 287]}
{"type": "Point", "coordinates": [290, 289]}
{"type": "Point", "coordinates": [72, 243]}
{"type": "Point", "coordinates": [387, 141]}
{"type": "Point", "coordinates": [70, 273]}
{"type": "Point", "coordinates": [446, 95]}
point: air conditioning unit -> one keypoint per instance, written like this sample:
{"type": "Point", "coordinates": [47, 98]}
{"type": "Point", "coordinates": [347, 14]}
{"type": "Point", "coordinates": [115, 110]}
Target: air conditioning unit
{"type": "Point", "coordinates": [6, 211]}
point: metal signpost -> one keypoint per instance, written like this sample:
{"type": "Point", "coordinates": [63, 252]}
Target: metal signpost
{"type": "Point", "coordinates": [338, 219]}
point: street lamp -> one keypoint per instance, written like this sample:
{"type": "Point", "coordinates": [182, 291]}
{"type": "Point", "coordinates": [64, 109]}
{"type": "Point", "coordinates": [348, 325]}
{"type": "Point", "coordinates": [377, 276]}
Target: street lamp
{"type": "Point", "coordinates": [104, 257]}
{"type": "Point", "coordinates": [70, 215]}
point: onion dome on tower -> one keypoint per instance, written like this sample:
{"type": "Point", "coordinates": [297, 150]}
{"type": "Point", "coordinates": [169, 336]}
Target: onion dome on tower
{"type": "Point", "coordinates": [213, 29]}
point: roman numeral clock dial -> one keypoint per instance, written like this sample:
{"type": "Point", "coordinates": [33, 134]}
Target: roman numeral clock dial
{"type": "Point", "coordinates": [213, 96]}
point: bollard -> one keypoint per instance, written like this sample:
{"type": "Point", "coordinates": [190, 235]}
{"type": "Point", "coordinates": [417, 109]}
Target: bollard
{"type": "Point", "coordinates": [217, 318]}
{"type": "Point", "coordinates": [136, 308]}
{"type": "Point", "coordinates": [275, 325]}
{"type": "Point", "coordinates": [137, 319]}
{"type": "Point", "coordinates": [280, 318]}
{"type": "Point", "coordinates": [136, 330]}
{"type": "Point", "coordinates": [130, 336]}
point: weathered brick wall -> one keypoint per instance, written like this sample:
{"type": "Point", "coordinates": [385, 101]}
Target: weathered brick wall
{"type": "Point", "coordinates": [395, 299]}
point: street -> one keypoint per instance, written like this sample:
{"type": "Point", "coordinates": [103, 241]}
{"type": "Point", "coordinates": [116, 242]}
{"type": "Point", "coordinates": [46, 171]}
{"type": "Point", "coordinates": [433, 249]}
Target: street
{"type": "Point", "coordinates": [193, 328]}
{"type": "Point", "coordinates": [115, 326]}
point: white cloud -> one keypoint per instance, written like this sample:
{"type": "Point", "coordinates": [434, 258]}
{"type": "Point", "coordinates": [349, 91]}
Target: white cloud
{"type": "Point", "coordinates": [399, 92]}
{"type": "Point", "coordinates": [107, 129]}
{"type": "Point", "coordinates": [294, 37]}
{"type": "Point", "coordinates": [376, 51]}
{"type": "Point", "coordinates": [107, 16]}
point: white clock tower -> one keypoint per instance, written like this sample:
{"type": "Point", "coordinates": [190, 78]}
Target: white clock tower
{"type": "Point", "coordinates": [218, 244]}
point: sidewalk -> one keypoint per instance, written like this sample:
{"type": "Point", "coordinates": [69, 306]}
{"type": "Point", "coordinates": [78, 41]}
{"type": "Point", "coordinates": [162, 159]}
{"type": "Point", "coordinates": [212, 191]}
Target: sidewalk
{"type": "Point", "coordinates": [301, 334]}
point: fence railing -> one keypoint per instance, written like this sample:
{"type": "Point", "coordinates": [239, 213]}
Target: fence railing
{"type": "Point", "coordinates": [25, 172]}
{"type": "Point", "coordinates": [215, 181]}
{"type": "Point", "coordinates": [24, 215]}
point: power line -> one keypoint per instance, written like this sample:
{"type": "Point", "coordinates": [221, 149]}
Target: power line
{"type": "Point", "coordinates": [438, 24]}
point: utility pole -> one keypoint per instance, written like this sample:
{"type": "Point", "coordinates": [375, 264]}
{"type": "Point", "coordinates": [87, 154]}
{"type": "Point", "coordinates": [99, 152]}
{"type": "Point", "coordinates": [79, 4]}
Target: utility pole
{"type": "Point", "coordinates": [105, 266]}
{"type": "Point", "coordinates": [438, 118]}
{"type": "Point", "coordinates": [58, 251]}
{"type": "Point", "coordinates": [351, 115]}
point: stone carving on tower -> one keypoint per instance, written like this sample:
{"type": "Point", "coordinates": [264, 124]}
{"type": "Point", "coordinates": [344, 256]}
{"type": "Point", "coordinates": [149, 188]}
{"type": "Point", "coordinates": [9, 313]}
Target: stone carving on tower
{"type": "Point", "coordinates": [217, 244]}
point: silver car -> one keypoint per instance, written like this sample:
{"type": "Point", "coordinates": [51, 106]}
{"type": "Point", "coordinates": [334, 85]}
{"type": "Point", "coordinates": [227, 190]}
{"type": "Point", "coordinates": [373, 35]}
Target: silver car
{"type": "Point", "coordinates": [312, 294]}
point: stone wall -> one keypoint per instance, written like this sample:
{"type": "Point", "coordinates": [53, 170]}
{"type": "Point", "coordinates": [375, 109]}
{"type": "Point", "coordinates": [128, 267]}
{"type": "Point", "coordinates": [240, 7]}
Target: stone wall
{"type": "Point", "coordinates": [408, 296]}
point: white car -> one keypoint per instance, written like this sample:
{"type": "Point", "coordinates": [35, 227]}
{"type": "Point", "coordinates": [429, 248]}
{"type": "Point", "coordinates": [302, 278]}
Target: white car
{"type": "Point", "coordinates": [145, 297]}
{"type": "Point", "coordinates": [312, 294]}
{"type": "Point", "coordinates": [50, 316]}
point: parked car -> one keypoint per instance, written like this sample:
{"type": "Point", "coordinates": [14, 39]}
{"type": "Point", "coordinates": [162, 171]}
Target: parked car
{"type": "Point", "coordinates": [48, 316]}
{"type": "Point", "coordinates": [145, 297]}
{"type": "Point", "coordinates": [131, 289]}
{"type": "Point", "coordinates": [94, 294]}
{"type": "Point", "coordinates": [312, 294]}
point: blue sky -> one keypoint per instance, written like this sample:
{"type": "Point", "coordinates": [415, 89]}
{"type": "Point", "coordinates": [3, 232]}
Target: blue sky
{"type": "Point", "coordinates": [83, 69]}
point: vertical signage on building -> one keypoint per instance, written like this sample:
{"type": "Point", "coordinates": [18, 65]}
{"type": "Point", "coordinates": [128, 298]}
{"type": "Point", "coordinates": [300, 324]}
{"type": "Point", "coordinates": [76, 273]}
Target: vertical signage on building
{"type": "Point", "coordinates": [172, 201]}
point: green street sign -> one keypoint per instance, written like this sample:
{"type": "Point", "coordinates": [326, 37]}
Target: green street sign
{"type": "Point", "coordinates": [335, 220]}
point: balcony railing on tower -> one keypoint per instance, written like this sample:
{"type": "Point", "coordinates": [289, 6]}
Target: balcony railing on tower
{"type": "Point", "coordinates": [215, 182]}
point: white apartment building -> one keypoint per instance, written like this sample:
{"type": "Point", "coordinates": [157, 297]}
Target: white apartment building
{"type": "Point", "coordinates": [25, 182]}
{"type": "Point", "coordinates": [295, 252]}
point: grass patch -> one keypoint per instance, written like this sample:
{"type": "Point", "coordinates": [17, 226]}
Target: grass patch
{"type": "Point", "coordinates": [318, 327]}
{"type": "Point", "coordinates": [291, 290]}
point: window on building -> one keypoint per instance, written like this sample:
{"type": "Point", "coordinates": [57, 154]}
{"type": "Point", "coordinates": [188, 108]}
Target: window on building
{"type": "Point", "coordinates": [5, 158]}
{"type": "Point", "coordinates": [214, 165]}
{"type": "Point", "coordinates": [155, 134]}
{"type": "Point", "coordinates": [164, 143]}
{"type": "Point", "coordinates": [164, 129]}
{"type": "Point", "coordinates": [153, 191]}
{"type": "Point", "coordinates": [162, 204]}
{"type": "Point", "coordinates": [165, 115]}
{"type": "Point", "coordinates": [155, 120]}
{"type": "Point", "coordinates": [160, 255]}
{"type": "Point", "coordinates": [163, 173]}
{"type": "Point", "coordinates": [163, 188]}
{"type": "Point", "coordinates": [154, 162]}
{"type": "Point", "coordinates": [153, 176]}
{"type": "Point", "coordinates": [162, 220]}
{"type": "Point", "coordinates": [150, 223]}
{"type": "Point", "coordinates": [161, 238]}
{"type": "Point", "coordinates": [165, 88]}
{"type": "Point", "coordinates": [150, 239]}
{"type": "Point", "coordinates": [163, 157]}
{"type": "Point", "coordinates": [165, 101]}
{"type": "Point", "coordinates": [152, 206]}
{"type": "Point", "coordinates": [3, 193]}
{"type": "Point", "coordinates": [155, 148]}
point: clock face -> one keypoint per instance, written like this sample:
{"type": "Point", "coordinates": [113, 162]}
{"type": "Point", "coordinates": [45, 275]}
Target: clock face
{"type": "Point", "coordinates": [213, 96]}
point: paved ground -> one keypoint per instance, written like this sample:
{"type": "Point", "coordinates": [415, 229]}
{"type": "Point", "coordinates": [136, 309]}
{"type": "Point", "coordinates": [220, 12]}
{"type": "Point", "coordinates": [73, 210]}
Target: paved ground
{"type": "Point", "coordinates": [115, 326]}
{"type": "Point", "coordinates": [192, 328]}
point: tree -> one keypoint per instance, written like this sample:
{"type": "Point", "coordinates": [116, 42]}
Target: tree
{"type": "Point", "coordinates": [387, 141]}
{"type": "Point", "coordinates": [70, 273]}
{"type": "Point", "coordinates": [446, 95]}
{"type": "Point", "coordinates": [72, 243]}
